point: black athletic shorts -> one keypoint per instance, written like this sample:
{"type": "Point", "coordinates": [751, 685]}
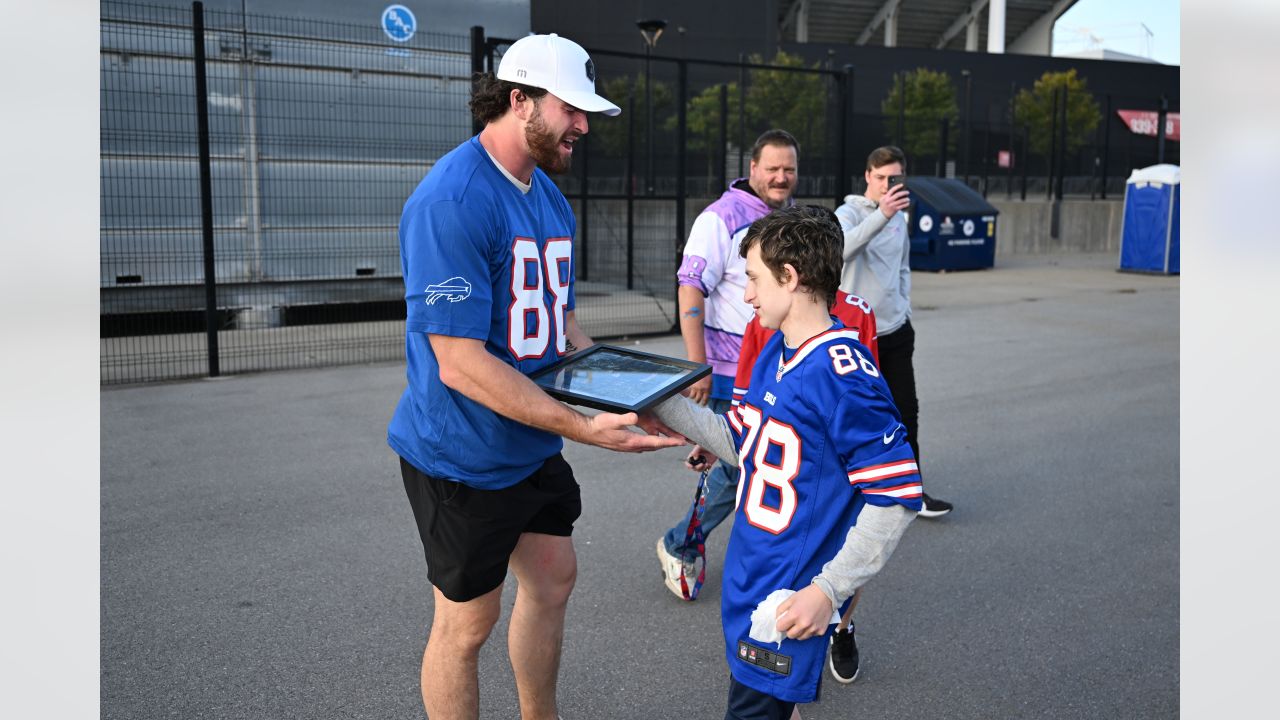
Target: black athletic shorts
{"type": "Point", "coordinates": [750, 704]}
{"type": "Point", "coordinates": [468, 535]}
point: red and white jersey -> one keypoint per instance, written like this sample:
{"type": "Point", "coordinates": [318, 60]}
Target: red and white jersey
{"type": "Point", "coordinates": [852, 311]}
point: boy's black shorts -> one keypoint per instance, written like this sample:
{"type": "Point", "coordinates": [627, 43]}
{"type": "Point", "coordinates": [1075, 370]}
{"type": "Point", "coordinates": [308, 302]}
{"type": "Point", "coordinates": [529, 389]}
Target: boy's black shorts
{"type": "Point", "coordinates": [747, 703]}
{"type": "Point", "coordinates": [468, 535]}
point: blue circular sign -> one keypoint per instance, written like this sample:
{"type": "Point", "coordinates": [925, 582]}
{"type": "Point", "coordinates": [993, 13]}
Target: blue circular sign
{"type": "Point", "coordinates": [399, 23]}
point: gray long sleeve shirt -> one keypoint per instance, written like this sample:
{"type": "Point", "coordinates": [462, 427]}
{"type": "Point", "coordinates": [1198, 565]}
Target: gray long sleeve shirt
{"type": "Point", "coordinates": [867, 545]}
{"type": "Point", "coordinates": [877, 265]}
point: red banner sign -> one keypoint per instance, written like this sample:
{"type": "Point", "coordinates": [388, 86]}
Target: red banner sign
{"type": "Point", "coordinates": [1146, 122]}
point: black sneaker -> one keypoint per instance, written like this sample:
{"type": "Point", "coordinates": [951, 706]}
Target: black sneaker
{"type": "Point", "coordinates": [933, 507]}
{"type": "Point", "coordinates": [843, 658]}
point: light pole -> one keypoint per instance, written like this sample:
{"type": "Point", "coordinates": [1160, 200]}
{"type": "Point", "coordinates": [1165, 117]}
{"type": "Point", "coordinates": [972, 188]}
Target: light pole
{"type": "Point", "coordinates": [650, 30]}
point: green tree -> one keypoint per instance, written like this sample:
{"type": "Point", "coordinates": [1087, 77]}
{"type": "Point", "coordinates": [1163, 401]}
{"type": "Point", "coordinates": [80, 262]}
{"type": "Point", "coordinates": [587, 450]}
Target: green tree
{"type": "Point", "coordinates": [610, 133]}
{"type": "Point", "coordinates": [1034, 109]}
{"type": "Point", "coordinates": [929, 98]}
{"type": "Point", "coordinates": [795, 102]}
{"type": "Point", "coordinates": [703, 126]}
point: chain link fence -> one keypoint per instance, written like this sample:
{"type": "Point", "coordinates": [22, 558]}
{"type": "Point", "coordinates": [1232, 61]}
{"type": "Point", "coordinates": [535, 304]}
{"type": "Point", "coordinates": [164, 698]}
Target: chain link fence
{"type": "Point", "coordinates": [252, 225]}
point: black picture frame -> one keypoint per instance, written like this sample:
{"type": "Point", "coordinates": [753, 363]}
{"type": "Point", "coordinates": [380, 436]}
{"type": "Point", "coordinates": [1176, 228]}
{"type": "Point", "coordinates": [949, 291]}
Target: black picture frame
{"type": "Point", "coordinates": [579, 380]}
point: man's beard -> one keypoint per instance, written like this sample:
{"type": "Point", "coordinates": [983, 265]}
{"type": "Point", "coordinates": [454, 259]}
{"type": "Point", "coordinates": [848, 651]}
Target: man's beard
{"type": "Point", "coordinates": [775, 204]}
{"type": "Point", "coordinates": [544, 147]}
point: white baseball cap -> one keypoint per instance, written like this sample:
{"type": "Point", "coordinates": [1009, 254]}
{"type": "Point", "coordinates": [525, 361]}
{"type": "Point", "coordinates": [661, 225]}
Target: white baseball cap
{"type": "Point", "coordinates": [558, 65]}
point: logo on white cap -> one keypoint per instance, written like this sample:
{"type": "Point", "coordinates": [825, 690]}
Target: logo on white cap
{"type": "Point", "coordinates": [558, 65]}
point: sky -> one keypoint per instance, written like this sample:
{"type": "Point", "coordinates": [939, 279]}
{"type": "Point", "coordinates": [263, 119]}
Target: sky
{"type": "Point", "coordinates": [1119, 27]}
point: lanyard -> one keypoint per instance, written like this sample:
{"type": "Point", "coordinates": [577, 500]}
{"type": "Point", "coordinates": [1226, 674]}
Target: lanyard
{"type": "Point", "coordinates": [695, 548]}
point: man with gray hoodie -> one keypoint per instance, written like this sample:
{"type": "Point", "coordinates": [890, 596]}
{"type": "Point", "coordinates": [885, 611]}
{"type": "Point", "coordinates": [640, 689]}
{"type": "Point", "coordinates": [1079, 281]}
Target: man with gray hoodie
{"type": "Point", "coordinates": [877, 268]}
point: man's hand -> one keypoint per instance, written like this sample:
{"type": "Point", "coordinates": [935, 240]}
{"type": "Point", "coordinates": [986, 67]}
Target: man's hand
{"type": "Point", "coordinates": [699, 392]}
{"type": "Point", "coordinates": [700, 459]}
{"type": "Point", "coordinates": [609, 431]}
{"type": "Point", "coordinates": [895, 198]}
{"type": "Point", "coordinates": [805, 614]}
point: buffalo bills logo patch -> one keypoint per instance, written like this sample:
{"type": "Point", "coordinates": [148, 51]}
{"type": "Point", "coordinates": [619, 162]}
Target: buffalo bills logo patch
{"type": "Point", "coordinates": [453, 289]}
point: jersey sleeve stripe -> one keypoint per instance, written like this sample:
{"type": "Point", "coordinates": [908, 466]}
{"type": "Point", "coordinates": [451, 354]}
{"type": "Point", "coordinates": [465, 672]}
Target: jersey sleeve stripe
{"type": "Point", "coordinates": [884, 472]}
{"type": "Point", "coordinates": [910, 490]}
{"type": "Point", "coordinates": [734, 420]}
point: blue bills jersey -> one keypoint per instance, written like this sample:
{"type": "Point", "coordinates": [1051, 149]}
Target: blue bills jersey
{"type": "Point", "coordinates": [481, 260]}
{"type": "Point", "coordinates": [818, 437]}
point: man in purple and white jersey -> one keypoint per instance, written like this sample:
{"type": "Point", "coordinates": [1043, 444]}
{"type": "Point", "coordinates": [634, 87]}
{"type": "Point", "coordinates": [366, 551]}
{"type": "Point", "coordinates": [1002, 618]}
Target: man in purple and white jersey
{"type": "Point", "coordinates": [713, 315]}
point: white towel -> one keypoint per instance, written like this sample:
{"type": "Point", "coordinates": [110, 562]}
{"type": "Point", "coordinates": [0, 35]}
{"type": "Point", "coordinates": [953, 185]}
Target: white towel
{"type": "Point", "coordinates": [764, 619]}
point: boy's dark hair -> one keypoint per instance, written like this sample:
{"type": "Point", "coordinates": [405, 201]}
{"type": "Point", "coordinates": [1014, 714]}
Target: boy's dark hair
{"type": "Point", "coordinates": [491, 97]}
{"type": "Point", "coordinates": [886, 155]}
{"type": "Point", "coordinates": [807, 237]}
{"type": "Point", "coordinates": [778, 137]}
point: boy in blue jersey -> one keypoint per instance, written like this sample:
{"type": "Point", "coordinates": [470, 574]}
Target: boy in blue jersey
{"type": "Point", "coordinates": [828, 481]}
{"type": "Point", "coordinates": [486, 252]}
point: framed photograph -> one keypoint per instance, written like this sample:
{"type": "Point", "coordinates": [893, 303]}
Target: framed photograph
{"type": "Point", "coordinates": [617, 379]}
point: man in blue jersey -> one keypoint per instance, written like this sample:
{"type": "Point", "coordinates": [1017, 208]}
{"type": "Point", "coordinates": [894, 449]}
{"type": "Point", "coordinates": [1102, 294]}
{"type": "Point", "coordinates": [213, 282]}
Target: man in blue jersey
{"type": "Point", "coordinates": [486, 252]}
{"type": "Point", "coordinates": [829, 482]}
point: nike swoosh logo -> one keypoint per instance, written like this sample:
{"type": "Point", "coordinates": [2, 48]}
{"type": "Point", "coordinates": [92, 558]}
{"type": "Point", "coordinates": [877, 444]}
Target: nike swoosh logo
{"type": "Point", "coordinates": [889, 438]}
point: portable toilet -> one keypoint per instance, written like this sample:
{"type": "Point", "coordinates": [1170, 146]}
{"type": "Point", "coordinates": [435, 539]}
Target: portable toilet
{"type": "Point", "coordinates": [951, 226]}
{"type": "Point", "coordinates": [1149, 227]}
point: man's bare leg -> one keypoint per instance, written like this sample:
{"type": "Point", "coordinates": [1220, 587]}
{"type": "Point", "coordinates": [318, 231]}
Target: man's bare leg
{"type": "Point", "coordinates": [546, 568]}
{"type": "Point", "coordinates": [450, 682]}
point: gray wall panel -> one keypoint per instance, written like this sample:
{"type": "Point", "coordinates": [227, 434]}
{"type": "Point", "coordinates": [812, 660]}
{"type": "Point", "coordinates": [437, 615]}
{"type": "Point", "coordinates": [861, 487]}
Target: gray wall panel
{"type": "Point", "coordinates": [318, 194]}
{"type": "Point", "coordinates": [148, 106]}
{"type": "Point", "coordinates": [165, 193]}
{"type": "Point", "coordinates": [331, 115]}
{"type": "Point", "coordinates": [172, 257]}
{"type": "Point", "coordinates": [310, 254]}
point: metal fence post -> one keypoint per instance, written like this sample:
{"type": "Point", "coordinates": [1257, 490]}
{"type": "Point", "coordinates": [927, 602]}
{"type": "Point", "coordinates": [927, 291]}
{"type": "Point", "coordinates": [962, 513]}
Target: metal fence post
{"type": "Point", "coordinates": [1026, 145]}
{"type": "Point", "coordinates": [1160, 121]}
{"type": "Point", "coordinates": [682, 128]}
{"type": "Point", "coordinates": [942, 147]}
{"type": "Point", "coordinates": [724, 139]}
{"type": "Point", "coordinates": [1053, 146]}
{"type": "Point", "coordinates": [206, 189]}
{"type": "Point", "coordinates": [1062, 144]}
{"type": "Point", "coordinates": [846, 107]}
{"type": "Point", "coordinates": [631, 181]}
{"type": "Point", "coordinates": [967, 127]}
{"type": "Point", "coordinates": [585, 225]}
{"type": "Point", "coordinates": [986, 151]}
{"type": "Point", "coordinates": [1106, 145]}
{"type": "Point", "coordinates": [902, 109]}
{"type": "Point", "coordinates": [1013, 114]}
{"type": "Point", "coordinates": [477, 65]}
{"type": "Point", "coordinates": [742, 116]}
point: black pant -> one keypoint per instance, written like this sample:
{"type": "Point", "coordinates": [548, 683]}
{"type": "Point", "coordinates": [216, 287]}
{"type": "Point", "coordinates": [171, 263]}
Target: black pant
{"type": "Point", "coordinates": [896, 350]}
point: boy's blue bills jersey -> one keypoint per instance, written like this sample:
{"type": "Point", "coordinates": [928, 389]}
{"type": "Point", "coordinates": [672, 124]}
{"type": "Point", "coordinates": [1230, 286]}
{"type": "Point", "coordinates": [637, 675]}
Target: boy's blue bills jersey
{"type": "Point", "coordinates": [481, 260]}
{"type": "Point", "coordinates": [818, 437]}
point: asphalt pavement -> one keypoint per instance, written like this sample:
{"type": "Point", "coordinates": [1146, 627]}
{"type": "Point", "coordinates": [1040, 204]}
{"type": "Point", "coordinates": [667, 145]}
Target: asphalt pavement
{"type": "Point", "coordinates": [259, 559]}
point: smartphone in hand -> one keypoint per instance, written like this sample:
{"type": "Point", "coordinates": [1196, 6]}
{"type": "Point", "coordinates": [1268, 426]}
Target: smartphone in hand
{"type": "Point", "coordinates": [896, 180]}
